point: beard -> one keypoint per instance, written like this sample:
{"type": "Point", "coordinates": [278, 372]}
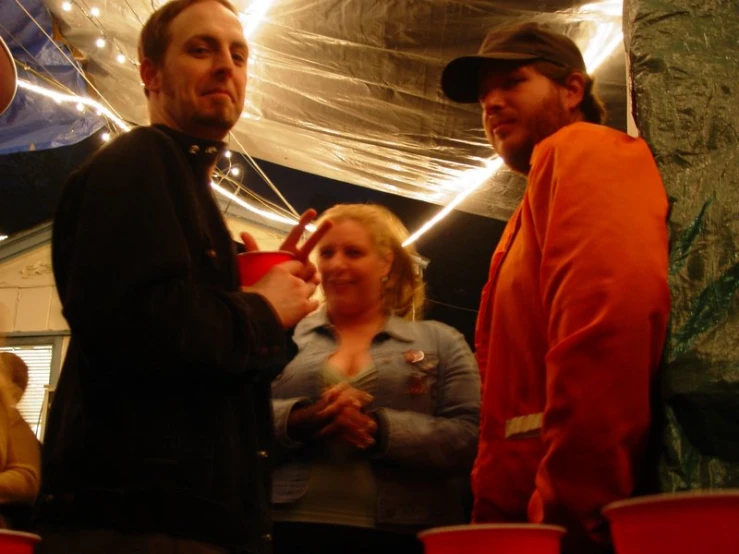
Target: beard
{"type": "Point", "coordinates": [218, 115]}
{"type": "Point", "coordinates": [547, 119]}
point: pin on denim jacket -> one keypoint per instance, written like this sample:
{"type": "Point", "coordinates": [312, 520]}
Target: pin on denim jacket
{"type": "Point", "coordinates": [427, 402]}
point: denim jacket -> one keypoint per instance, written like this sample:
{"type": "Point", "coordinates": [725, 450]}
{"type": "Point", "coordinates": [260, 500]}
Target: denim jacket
{"type": "Point", "coordinates": [427, 404]}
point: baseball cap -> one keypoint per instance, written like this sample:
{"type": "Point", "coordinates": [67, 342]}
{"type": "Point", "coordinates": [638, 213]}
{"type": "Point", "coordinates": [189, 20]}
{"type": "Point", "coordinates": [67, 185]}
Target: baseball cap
{"type": "Point", "coordinates": [8, 76]}
{"type": "Point", "coordinates": [521, 42]}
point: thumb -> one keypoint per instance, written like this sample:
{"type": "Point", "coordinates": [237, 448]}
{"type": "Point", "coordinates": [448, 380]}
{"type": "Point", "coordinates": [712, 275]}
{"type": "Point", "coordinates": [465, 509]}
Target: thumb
{"type": "Point", "coordinates": [249, 243]}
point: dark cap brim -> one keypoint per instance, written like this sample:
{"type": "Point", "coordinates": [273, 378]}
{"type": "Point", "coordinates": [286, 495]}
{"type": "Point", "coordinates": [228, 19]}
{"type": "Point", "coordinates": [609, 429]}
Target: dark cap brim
{"type": "Point", "coordinates": [460, 79]}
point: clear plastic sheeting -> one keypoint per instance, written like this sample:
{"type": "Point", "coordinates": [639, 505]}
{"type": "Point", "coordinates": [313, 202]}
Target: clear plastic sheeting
{"type": "Point", "coordinates": [33, 122]}
{"type": "Point", "coordinates": [350, 89]}
{"type": "Point", "coordinates": [690, 49]}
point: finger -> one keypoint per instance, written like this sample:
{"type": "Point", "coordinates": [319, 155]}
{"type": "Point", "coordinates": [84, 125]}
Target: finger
{"type": "Point", "coordinates": [328, 430]}
{"type": "Point", "coordinates": [334, 390]}
{"type": "Point", "coordinates": [249, 242]}
{"type": "Point", "coordinates": [311, 241]}
{"type": "Point", "coordinates": [310, 274]}
{"type": "Point", "coordinates": [293, 237]}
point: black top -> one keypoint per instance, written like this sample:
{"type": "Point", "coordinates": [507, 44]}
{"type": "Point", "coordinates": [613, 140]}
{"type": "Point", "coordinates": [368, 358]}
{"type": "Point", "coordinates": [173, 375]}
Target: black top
{"type": "Point", "coordinates": [161, 420]}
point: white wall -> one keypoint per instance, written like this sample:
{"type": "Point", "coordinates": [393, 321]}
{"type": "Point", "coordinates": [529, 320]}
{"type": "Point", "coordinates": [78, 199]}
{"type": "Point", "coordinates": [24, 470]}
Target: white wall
{"type": "Point", "coordinates": [28, 299]}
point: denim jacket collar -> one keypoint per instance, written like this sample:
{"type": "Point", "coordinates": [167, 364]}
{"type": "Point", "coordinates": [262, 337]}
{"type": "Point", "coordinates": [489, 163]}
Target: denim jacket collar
{"type": "Point", "coordinates": [395, 327]}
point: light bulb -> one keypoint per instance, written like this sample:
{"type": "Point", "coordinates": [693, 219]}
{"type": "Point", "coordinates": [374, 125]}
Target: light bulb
{"type": "Point", "coordinates": [66, 6]}
{"type": "Point", "coordinates": [105, 137]}
{"type": "Point", "coordinates": [100, 43]}
{"type": "Point", "coordinates": [80, 107]}
{"type": "Point", "coordinates": [235, 171]}
{"type": "Point", "coordinates": [227, 154]}
{"type": "Point", "coordinates": [95, 11]}
{"type": "Point", "coordinates": [120, 58]}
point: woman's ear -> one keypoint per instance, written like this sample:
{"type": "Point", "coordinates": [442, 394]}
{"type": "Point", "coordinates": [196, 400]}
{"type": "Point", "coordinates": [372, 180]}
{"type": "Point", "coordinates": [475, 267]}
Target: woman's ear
{"type": "Point", "coordinates": [388, 265]}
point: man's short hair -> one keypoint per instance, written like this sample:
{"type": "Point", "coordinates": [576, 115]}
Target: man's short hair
{"type": "Point", "coordinates": [154, 38]}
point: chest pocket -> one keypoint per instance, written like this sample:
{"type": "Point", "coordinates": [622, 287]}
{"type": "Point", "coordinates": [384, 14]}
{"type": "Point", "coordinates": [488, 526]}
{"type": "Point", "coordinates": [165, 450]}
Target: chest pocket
{"type": "Point", "coordinates": [407, 380]}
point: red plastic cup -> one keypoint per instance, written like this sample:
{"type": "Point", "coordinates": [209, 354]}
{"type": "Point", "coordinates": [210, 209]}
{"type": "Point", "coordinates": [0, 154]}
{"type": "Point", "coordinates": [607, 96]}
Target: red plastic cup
{"type": "Point", "coordinates": [497, 538]}
{"type": "Point", "coordinates": [254, 265]}
{"type": "Point", "coordinates": [680, 523]}
{"type": "Point", "coordinates": [17, 542]}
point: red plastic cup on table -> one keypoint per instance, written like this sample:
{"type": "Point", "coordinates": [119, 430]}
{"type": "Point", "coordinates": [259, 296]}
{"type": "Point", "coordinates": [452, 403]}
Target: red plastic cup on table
{"type": "Point", "coordinates": [254, 265]}
{"type": "Point", "coordinates": [489, 538]}
{"type": "Point", "coordinates": [17, 542]}
{"type": "Point", "coordinates": [680, 523]}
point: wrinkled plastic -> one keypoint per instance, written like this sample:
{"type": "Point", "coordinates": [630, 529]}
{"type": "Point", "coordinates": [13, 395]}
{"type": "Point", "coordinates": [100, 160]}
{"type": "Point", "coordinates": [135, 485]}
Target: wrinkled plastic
{"type": "Point", "coordinates": [689, 49]}
{"type": "Point", "coordinates": [350, 90]}
{"type": "Point", "coordinates": [33, 122]}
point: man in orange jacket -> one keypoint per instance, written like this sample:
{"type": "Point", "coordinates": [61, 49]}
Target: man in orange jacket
{"type": "Point", "coordinates": [573, 317]}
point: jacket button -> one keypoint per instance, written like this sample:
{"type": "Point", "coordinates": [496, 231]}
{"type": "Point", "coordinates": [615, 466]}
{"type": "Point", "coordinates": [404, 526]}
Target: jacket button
{"type": "Point", "coordinates": [262, 454]}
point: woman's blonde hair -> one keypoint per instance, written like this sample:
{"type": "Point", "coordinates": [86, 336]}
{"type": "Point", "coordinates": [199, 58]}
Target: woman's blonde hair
{"type": "Point", "coordinates": [404, 292]}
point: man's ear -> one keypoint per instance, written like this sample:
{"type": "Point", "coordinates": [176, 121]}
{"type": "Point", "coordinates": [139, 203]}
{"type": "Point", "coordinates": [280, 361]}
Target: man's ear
{"type": "Point", "coordinates": [574, 91]}
{"type": "Point", "coordinates": [150, 75]}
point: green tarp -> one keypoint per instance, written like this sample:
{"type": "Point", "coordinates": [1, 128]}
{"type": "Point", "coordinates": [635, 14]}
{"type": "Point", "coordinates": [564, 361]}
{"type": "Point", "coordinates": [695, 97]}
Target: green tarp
{"type": "Point", "coordinates": [684, 63]}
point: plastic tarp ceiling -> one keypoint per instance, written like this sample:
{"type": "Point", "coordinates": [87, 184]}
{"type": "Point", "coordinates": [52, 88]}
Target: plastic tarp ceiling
{"type": "Point", "coordinates": [350, 89]}
{"type": "Point", "coordinates": [33, 122]}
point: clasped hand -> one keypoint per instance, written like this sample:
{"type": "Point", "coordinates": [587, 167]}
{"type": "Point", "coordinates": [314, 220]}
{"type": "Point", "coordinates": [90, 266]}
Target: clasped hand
{"type": "Point", "coordinates": [337, 416]}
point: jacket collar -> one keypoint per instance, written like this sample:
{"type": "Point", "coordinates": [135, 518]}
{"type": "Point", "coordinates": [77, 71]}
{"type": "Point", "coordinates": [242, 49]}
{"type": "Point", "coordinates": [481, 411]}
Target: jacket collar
{"type": "Point", "coordinates": [395, 327]}
{"type": "Point", "coordinates": [200, 153]}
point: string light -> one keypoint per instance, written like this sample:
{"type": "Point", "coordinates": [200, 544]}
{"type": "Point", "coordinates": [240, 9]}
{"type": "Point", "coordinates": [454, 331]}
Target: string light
{"type": "Point", "coordinates": [67, 6]}
{"type": "Point", "coordinates": [105, 137]}
{"type": "Point", "coordinates": [60, 97]}
{"type": "Point", "coordinates": [254, 14]}
{"type": "Point", "coordinates": [3, 237]}
{"type": "Point", "coordinates": [95, 11]}
{"type": "Point", "coordinates": [268, 215]}
{"type": "Point", "coordinates": [227, 154]}
{"type": "Point", "coordinates": [80, 107]}
{"type": "Point", "coordinates": [120, 58]}
{"type": "Point", "coordinates": [235, 171]}
{"type": "Point", "coordinates": [100, 43]}
{"type": "Point", "coordinates": [476, 176]}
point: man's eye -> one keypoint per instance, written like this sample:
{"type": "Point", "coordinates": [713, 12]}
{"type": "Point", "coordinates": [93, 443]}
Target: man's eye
{"type": "Point", "coordinates": [199, 50]}
{"type": "Point", "coordinates": [239, 59]}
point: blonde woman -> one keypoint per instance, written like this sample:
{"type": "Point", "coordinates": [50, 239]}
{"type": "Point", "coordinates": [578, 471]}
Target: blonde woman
{"type": "Point", "coordinates": [377, 416]}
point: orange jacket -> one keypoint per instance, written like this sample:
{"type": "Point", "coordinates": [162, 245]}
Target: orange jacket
{"type": "Point", "coordinates": [570, 334]}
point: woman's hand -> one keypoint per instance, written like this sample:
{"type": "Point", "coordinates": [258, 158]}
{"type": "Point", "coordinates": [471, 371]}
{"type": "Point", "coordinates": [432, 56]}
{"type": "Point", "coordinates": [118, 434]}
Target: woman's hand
{"type": "Point", "coordinates": [305, 422]}
{"type": "Point", "coordinates": [348, 423]}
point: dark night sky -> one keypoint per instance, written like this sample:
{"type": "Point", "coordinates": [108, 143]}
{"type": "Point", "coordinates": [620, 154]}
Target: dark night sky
{"type": "Point", "coordinates": [459, 247]}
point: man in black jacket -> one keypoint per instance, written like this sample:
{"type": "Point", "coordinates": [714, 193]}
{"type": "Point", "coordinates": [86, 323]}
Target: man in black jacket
{"type": "Point", "coordinates": [160, 433]}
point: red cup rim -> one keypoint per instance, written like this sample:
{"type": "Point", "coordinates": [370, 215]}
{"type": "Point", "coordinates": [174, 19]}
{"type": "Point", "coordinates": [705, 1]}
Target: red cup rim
{"type": "Point", "coordinates": [30, 536]}
{"type": "Point", "coordinates": [673, 497]}
{"type": "Point", "coordinates": [285, 252]}
{"type": "Point", "coordinates": [495, 526]}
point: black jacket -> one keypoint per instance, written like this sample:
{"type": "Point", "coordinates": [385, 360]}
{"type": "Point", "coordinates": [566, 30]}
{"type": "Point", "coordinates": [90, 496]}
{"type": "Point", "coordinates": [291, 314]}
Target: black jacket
{"type": "Point", "coordinates": [161, 420]}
